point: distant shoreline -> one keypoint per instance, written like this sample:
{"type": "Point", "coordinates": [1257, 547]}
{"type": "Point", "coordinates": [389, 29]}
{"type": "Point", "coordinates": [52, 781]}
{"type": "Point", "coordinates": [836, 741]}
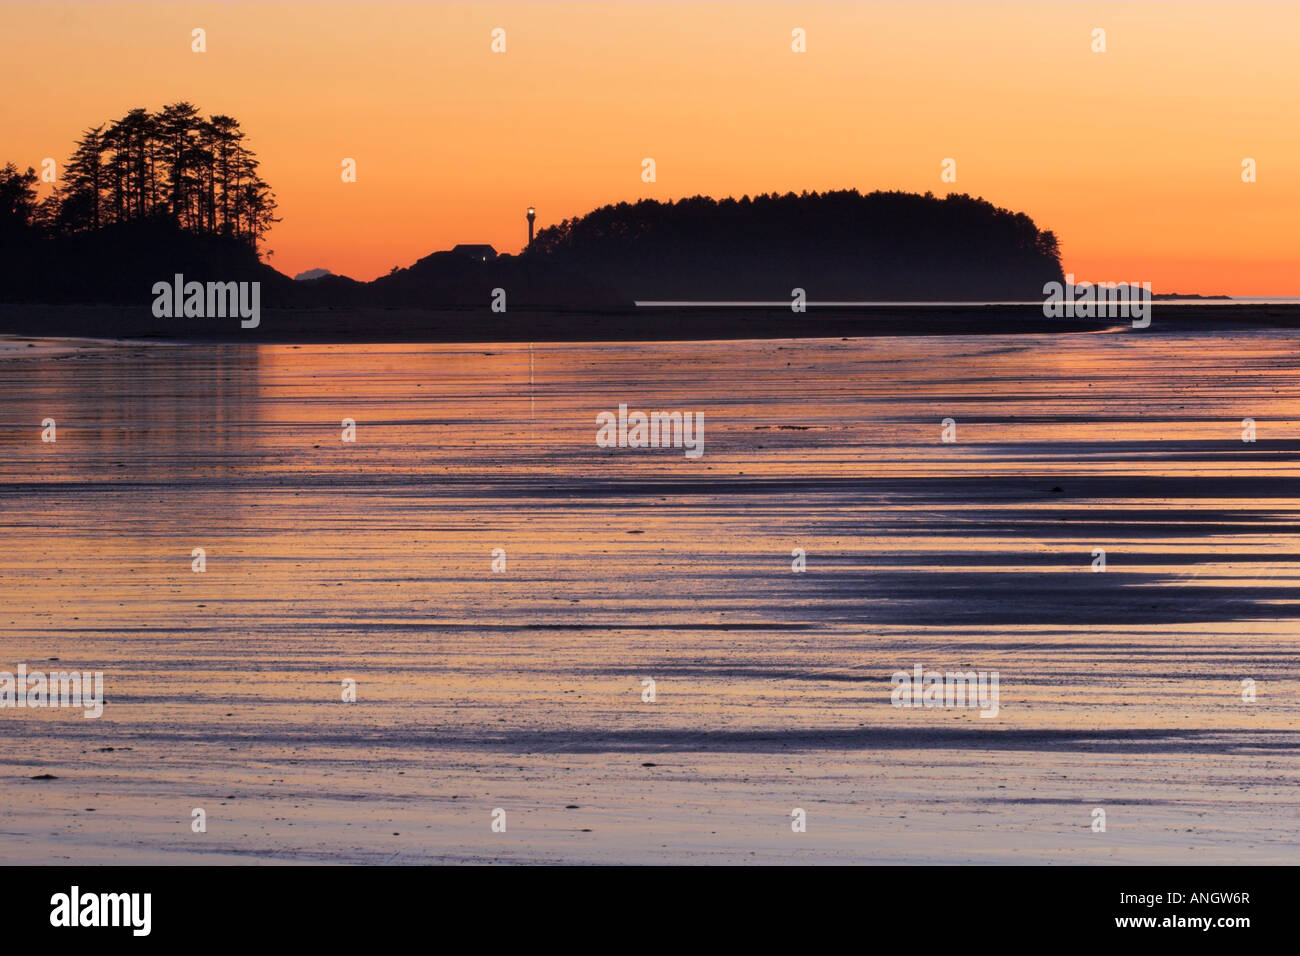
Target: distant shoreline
{"type": "Point", "coordinates": [341, 325]}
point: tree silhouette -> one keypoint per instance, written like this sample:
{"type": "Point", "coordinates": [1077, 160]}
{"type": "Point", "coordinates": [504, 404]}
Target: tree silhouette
{"type": "Point", "coordinates": [837, 244]}
{"type": "Point", "coordinates": [171, 166]}
{"type": "Point", "coordinates": [84, 183]}
{"type": "Point", "coordinates": [17, 203]}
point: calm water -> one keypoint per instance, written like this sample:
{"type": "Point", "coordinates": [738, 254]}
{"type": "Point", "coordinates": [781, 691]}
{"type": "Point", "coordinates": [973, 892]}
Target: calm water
{"type": "Point", "coordinates": [372, 561]}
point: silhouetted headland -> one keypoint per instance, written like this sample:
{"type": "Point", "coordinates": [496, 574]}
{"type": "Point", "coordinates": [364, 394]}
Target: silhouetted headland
{"type": "Point", "coordinates": [154, 199]}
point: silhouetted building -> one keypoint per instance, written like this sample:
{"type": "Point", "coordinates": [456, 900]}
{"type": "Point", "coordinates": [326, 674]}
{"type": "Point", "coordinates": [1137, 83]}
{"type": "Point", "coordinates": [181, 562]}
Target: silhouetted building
{"type": "Point", "coordinates": [483, 253]}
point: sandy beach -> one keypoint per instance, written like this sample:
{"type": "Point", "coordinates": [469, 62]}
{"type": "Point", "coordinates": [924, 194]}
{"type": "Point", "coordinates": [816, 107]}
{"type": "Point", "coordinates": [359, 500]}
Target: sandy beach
{"type": "Point", "coordinates": [371, 561]}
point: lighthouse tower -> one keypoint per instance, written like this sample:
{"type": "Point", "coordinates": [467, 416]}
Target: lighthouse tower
{"type": "Point", "coordinates": [532, 214]}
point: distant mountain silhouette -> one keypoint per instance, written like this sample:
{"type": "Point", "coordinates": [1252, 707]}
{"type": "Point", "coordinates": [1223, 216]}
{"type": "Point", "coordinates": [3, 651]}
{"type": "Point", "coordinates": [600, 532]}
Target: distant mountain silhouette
{"type": "Point", "coordinates": [310, 274]}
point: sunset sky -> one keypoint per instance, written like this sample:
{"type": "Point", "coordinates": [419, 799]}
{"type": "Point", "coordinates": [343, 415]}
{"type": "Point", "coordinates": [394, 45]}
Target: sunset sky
{"type": "Point", "coordinates": [1132, 156]}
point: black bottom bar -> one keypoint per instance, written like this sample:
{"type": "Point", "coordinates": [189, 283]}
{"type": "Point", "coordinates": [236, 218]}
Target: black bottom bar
{"type": "Point", "coordinates": [329, 904]}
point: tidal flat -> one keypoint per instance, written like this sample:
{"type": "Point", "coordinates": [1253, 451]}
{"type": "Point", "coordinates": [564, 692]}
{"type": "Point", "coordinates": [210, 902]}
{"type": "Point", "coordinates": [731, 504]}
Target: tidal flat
{"type": "Point", "coordinates": [523, 688]}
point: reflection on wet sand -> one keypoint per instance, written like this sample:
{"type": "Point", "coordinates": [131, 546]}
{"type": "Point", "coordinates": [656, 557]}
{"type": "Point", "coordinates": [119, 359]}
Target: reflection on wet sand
{"type": "Point", "coordinates": [371, 560]}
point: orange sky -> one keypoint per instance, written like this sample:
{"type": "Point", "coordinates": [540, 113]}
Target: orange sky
{"type": "Point", "coordinates": [1132, 156]}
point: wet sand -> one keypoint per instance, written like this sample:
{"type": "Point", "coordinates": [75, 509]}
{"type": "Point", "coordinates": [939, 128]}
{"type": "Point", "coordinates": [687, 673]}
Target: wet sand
{"type": "Point", "coordinates": [648, 324]}
{"type": "Point", "coordinates": [522, 690]}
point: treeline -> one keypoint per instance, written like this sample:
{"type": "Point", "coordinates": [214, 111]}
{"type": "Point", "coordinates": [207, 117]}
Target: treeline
{"type": "Point", "coordinates": [836, 245]}
{"type": "Point", "coordinates": [172, 167]}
